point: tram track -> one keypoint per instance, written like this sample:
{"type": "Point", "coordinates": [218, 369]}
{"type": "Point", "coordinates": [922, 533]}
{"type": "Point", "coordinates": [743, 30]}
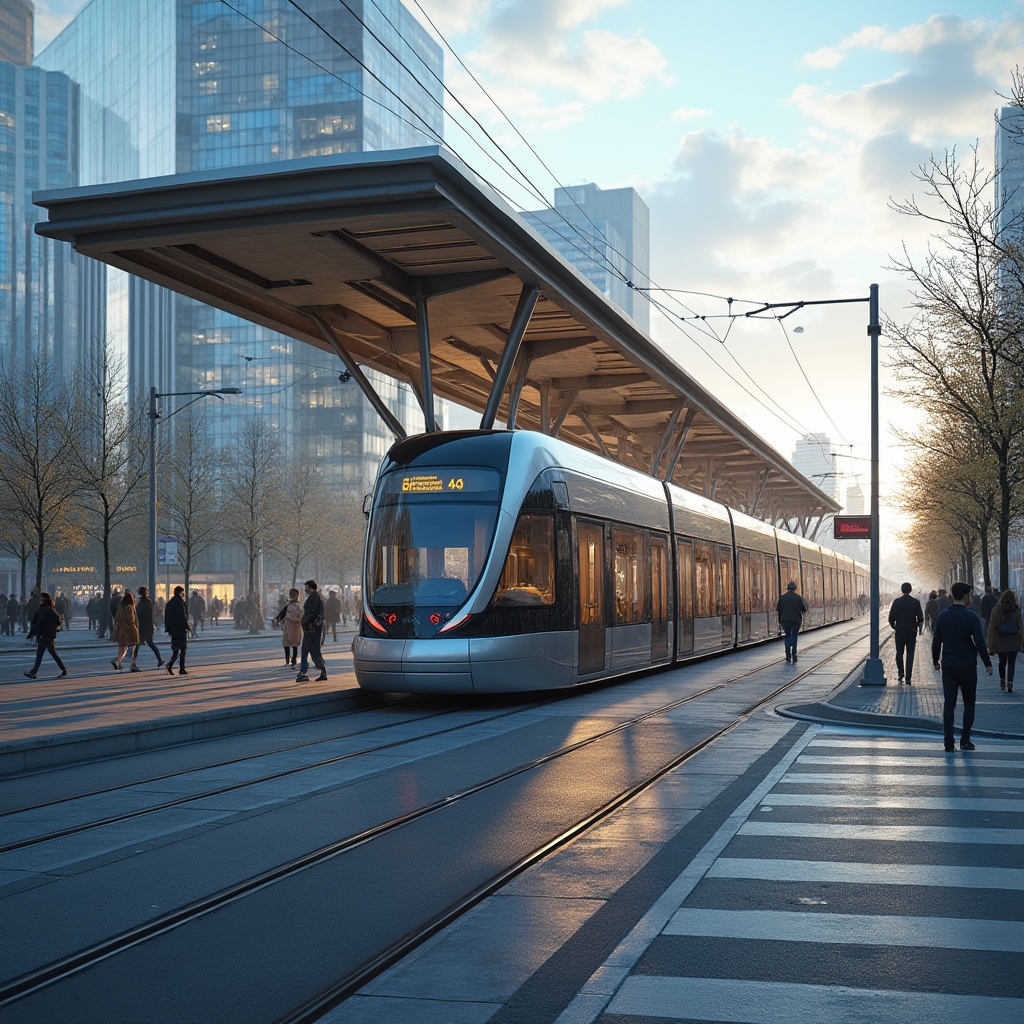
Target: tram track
{"type": "Point", "coordinates": [113, 819]}
{"type": "Point", "coordinates": [82, 960]}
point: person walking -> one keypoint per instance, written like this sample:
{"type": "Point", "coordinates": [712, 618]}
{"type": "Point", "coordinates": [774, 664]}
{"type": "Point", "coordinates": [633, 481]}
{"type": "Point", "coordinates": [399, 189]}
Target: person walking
{"type": "Point", "coordinates": [333, 613]}
{"type": "Point", "coordinates": [124, 630]}
{"type": "Point", "coordinates": [906, 616]}
{"type": "Point", "coordinates": [144, 611]}
{"type": "Point", "coordinates": [1006, 636]}
{"type": "Point", "coordinates": [31, 607]}
{"type": "Point", "coordinates": [44, 627]}
{"type": "Point", "coordinates": [957, 642]}
{"type": "Point", "coordinates": [12, 614]}
{"type": "Point", "coordinates": [176, 624]}
{"type": "Point", "coordinates": [312, 634]}
{"type": "Point", "coordinates": [931, 609]}
{"type": "Point", "coordinates": [197, 608]}
{"type": "Point", "coordinates": [791, 610]}
{"type": "Point", "coordinates": [290, 617]}
{"type": "Point", "coordinates": [988, 602]}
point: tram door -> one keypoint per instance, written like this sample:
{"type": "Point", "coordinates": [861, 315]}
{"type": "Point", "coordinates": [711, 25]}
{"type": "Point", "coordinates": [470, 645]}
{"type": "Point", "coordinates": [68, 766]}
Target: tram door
{"type": "Point", "coordinates": [659, 598]}
{"type": "Point", "coordinates": [590, 544]}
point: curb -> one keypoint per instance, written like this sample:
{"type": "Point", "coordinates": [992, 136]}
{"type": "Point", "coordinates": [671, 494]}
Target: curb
{"type": "Point", "coordinates": [131, 738]}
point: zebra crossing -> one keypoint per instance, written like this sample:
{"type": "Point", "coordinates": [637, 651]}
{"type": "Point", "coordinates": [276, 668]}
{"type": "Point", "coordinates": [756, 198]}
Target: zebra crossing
{"type": "Point", "coordinates": [871, 878]}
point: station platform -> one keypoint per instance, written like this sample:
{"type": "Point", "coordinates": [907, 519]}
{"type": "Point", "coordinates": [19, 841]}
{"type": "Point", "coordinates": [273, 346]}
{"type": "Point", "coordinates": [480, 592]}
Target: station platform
{"type": "Point", "coordinates": [98, 713]}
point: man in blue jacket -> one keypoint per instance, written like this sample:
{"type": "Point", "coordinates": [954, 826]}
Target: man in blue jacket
{"type": "Point", "coordinates": [959, 637]}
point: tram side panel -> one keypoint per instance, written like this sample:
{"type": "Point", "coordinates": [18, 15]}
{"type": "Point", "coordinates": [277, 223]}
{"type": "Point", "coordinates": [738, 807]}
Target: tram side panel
{"type": "Point", "coordinates": [705, 582]}
{"type": "Point", "coordinates": [757, 578]}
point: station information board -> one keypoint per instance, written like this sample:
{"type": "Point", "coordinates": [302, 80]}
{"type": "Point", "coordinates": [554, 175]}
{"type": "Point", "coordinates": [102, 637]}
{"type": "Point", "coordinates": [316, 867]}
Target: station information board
{"type": "Point", "coordinates": [851, 528]}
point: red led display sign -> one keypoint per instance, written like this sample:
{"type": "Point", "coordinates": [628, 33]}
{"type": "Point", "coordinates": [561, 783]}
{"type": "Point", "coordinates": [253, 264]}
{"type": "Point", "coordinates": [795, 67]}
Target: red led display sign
{"type": "Point", "coordinates": [851, 528]}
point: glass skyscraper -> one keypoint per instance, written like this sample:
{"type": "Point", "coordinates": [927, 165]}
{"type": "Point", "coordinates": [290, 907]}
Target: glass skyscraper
{"type": "Point", "coordinates": [606, 235]}
{"type": "Point", "coordinates": [173, 86]}
{"type": "Point", "coordinates": [51, 299]}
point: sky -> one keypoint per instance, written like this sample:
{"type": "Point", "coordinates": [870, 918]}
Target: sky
{"type": "Point", "coordinates": [767, 138]}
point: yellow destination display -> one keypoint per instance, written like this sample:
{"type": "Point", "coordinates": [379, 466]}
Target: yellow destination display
{"type": "Point", "coordinates": [462, 481]}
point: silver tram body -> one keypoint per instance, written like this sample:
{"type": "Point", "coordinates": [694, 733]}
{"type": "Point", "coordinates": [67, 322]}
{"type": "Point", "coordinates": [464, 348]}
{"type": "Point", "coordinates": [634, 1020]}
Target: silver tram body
{"type": "Point", "coordinates": [500, 561]}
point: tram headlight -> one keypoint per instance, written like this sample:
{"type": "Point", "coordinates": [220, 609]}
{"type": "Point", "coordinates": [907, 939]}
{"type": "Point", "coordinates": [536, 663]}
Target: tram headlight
{"type": "Point", "coordinates": [454, 623]}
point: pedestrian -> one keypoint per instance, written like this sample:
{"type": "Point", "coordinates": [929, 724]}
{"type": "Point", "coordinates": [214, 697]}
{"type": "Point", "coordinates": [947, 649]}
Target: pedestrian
{"type": "Point", "coordinates": [12, 614]}
{"type": "Point", "coordinates": [333, 613]}
{"type": "Point", "coordinates": [906, 616]}
{"type": "Point", "coordinates": [62, 607]}
{"type": "Point", "coordinates": [290, 618]}
{"type": "Point", "coordinates": [197, 608]}
{"type": "Point", "coordinates": [124, 630]}
{"type": "Point", "coordinates": [791, 610]}
{"type": "Point", "coordinates": [988, 602]}
{"type": "Point", "coordinates": [216, 609]}
{"type": "Point", "coordinates": [346, 609]}
{"type": "Point", "coordinates": [959, 638]}
{"type": "Point", "coordinates": [145, 613]}
{"type": "Point", "coordinates": [176, 624]}
{"type": "Point", "coordinates": [942, 601]}
{"type": "Point", "coordinates": [312, 634]}
{"type": "Point", "coordinates": [931, 609]}
{"type": "Point", "coordinates": [31, 607]}
{"type": "Point", "coordinates": [45, 627]}
{"type": "Point", "coordinates": [1006, 636]}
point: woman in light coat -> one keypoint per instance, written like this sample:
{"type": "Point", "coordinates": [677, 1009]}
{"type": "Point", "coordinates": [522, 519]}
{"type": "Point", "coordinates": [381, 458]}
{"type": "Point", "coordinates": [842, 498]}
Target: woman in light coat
{"type": "Point", "coordinates": [1006, 636]}
{"type": "Point", "coordinates": [290, 616]}
{"type": "Point", "coordinates": [125, 629]}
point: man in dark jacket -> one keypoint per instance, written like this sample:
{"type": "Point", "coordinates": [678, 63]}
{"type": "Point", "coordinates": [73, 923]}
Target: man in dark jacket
{"type": "Point", "coordinates": [960, 639]}
{"type": "Point", "coordinates": [144, 614]}
{"type": "Point", "coordinates": [312, 634]}
{"type": "Point", "coordinates": [906, 616]}
{"type": "Point", "coordinates": [176, 624]}
{"type": "Point", "coordinates": [45, 627]}
{"type": "Point", "coordinates": [791, 610]}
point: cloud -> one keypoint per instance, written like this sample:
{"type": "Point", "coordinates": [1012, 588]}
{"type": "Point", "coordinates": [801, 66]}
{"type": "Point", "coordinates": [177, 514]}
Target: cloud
{"type": "Point", "coordinates": [951, 70]}
{"type": "Point", "coordinates": [547, 44]}
{"type": "Point", "coordinates": [690, 113]}
{"type": "Point", "coordinates": [51, 18]}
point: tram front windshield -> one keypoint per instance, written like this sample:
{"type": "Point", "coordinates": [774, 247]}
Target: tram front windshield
{"type": "Point", "coordinates": [429, 540]}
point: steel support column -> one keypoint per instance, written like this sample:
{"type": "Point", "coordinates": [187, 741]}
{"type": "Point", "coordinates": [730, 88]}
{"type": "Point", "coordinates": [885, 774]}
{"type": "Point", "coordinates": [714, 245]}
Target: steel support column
{"type": "Point", "coordinates": [392, 421]}
{"type": "Point", "coordinates": [426, 377]}
{"type": "Point", "coordinates": [517, 329]}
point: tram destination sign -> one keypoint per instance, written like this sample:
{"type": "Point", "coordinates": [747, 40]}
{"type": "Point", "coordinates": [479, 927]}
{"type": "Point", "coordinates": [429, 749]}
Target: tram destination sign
{"type": "Point", "coordinates": [458, 481]}
{"type": "Point", "coordinates": [851, 528]}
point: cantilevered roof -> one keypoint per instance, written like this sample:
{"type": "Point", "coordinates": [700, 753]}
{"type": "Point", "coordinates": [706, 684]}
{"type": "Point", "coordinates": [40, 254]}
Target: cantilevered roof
{"type": "Point", "coordinates": [356, 253]}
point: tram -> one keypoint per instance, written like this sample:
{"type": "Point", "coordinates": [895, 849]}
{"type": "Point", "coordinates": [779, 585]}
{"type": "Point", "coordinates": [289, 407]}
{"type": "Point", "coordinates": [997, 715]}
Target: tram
{"type": "Point", "coordinates": [501, 561]}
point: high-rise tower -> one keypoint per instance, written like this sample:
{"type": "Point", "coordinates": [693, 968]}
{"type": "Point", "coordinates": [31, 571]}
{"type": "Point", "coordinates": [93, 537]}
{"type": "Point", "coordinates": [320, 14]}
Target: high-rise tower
{"type": "Point", "coordinates": [16, 26]}
{"type": "Point", "coordinates": [175, 86]}
{"type": "Point", "coordinates": [606, 235]}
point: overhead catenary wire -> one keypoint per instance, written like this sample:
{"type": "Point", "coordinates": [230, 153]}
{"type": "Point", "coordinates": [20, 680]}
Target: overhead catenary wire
{"type": "Point", "coordinates": [594, 251]}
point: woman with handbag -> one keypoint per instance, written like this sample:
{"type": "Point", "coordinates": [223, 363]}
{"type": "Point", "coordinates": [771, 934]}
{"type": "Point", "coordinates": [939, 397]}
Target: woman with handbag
{"type": "Point", "coordinates": [125, 629]}
{"type": "Point", "coordinates": [1006, 636]}
{"type": "Point", "coordinates": [290, 617]}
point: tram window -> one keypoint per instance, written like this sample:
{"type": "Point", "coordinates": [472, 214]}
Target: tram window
{"type": "Point", "coordinates": [725, 585]}
{"type": "Point", "coordinates": [528, 577]}
{"type": "Point", "coordinates": [630, 577]}
{"type": "Point", "coordinates": [757, 592]}
{"type": "Point", "coordinates": [704, 570]}
{"type": "Point", "coordinates": [771, 582]}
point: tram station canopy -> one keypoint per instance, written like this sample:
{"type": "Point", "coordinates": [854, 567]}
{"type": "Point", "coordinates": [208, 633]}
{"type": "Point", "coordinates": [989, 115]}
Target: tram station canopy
{"type": "Point", "coordinates": [383, 258]}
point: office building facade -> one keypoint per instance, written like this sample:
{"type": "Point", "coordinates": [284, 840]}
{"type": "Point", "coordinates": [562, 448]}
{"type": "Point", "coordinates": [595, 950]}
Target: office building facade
{"type": "Point", "coordinates": [606, 235]}
{"type": "Point", "coordinates": [197, 87]}
{"type": "Point", "coordinates": [51, 299]}
{"type": "Point", "coordinates": [17, 20]}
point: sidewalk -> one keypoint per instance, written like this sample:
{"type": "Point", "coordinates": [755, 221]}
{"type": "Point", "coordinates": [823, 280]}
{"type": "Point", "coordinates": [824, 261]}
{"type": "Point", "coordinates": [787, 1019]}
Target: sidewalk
{"type": "Point", "coordinates": [917, 707]}
{"type": "Point", "coordinates": [51, 721]}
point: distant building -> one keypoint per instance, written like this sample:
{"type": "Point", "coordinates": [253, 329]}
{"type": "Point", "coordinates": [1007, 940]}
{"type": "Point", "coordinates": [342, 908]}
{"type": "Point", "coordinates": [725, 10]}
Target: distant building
{"type": "Point", "coordinates": [606, 235]}
{"type": "Point", "coordinates": [51, 299]}
{"type": "Point", "coordinates": [1009, 156]}
{"type": "Point", "coordinates": [16, 28]}
{"type": "Point", "coordinates": [813, 457]}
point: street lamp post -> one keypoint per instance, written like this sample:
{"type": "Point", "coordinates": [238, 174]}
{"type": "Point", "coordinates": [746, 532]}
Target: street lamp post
{"type": "Point", "coordinates": [874, 671]}
{"type": "Point", "coordinates": [154, 415]}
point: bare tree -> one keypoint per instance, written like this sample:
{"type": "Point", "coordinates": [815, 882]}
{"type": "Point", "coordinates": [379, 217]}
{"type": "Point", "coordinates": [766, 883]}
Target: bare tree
{"type": "Point", "coordinates": [38, 451]}
{"type": "Point", "coordinates": [959, 358]}
{"type": "Point", "coordinates": [304, 507]}
{"type": "Point", "coordinates": [16, 540]}
{"type": "Point", "coordinates": [110, 461]}
{"type": "Point", "coordinates": [191, 490]}
{"type": "Point", "coordinates": [343, 535]}
{"type": "Point", "coordinates": [253, 487]}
